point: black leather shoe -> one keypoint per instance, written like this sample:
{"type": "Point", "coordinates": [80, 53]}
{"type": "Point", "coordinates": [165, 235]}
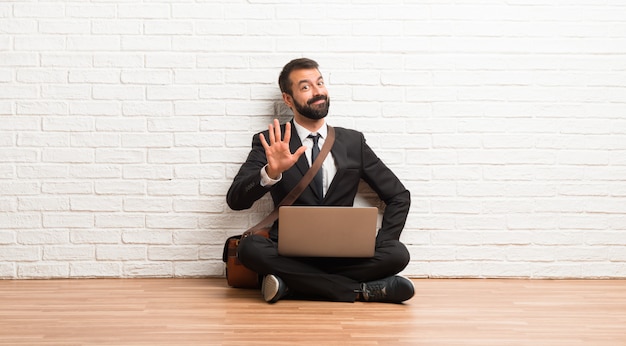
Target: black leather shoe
{"type": "Point", "coordinates": [273, 288]}
{"type": "Point", "coordinates": [394, 289]}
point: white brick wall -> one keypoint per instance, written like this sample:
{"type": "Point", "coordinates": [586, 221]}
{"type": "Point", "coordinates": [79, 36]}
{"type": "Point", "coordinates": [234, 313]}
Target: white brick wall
{"type": "Point", "coordinates": [122, 124]}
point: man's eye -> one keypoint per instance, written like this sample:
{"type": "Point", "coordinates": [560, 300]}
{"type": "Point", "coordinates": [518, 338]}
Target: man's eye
{"type": "Point", "coordinates": [306, 87]}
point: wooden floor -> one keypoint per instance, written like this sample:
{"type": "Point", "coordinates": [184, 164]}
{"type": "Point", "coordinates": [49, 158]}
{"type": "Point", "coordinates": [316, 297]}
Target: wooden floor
{"type": "Point", "coordinates": [207, 312]}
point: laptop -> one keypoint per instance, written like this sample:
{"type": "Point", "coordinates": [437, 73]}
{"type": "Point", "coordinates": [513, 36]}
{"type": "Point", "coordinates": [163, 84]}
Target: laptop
{"type": "Point", "coordinates": [319, 231]}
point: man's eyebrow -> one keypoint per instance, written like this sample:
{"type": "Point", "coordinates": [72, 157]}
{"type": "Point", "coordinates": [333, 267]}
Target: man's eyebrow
{"type": "Point", "coordinates": [307, 81]}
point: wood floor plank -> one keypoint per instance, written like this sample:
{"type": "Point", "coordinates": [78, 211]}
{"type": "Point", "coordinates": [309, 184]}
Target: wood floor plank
{"type": "Point", "coordinates": [207, 312]}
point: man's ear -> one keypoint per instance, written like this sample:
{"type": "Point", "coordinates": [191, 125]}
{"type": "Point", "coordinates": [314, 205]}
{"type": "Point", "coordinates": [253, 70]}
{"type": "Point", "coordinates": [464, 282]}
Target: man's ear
{"type": "Point", "coordinates": [288, 100]}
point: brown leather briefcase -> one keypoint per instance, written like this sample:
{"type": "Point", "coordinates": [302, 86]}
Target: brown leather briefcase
{"type": "Point", "coordinates": [238, 275]}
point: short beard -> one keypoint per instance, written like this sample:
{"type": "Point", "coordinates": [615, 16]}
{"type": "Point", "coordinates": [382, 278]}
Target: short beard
{"type": "Point", "coordinates": [310, 112]}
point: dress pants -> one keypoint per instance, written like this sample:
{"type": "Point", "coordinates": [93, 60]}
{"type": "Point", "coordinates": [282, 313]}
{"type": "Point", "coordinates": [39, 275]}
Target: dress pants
{"type": "Point", "coordinates": [333, 279]}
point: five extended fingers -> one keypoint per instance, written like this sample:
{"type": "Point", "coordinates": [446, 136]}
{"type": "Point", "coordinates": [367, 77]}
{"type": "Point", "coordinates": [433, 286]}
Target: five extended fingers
{"type": "Point", "coordinates": [282, 145]}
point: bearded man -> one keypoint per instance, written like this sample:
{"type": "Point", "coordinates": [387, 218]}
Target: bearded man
{"type": "Point", "coordinates": [276, 163]}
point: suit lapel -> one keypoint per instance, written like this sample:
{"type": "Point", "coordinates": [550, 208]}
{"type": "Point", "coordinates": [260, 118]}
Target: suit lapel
{"type": "Point", "coordinates": [294, 144]}
{"type": "Point", "coordinates": [340, 155]}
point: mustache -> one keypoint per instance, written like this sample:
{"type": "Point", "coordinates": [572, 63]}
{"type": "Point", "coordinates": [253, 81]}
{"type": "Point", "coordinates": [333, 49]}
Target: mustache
{"type": "Point", "coordinates": [317, 98]}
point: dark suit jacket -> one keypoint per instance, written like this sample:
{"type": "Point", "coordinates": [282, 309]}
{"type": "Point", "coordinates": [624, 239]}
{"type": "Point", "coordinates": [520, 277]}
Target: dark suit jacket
{"type": "Point", "coordinates": [355, 160]}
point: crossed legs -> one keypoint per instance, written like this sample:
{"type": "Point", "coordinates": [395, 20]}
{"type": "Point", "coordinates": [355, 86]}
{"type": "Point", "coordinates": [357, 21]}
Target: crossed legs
{"type": "Point", "coordinates": [333, 279]}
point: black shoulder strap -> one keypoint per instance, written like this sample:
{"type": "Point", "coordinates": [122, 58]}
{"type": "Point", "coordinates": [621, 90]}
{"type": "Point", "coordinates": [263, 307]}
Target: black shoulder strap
{"type": "Point", "coordinates": [302, 184]}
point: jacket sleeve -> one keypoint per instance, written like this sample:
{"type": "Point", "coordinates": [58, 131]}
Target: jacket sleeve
{"type": "Point", "coordinates": [246, 187]}
{"type": "Point", "coordinates": [390, 190]}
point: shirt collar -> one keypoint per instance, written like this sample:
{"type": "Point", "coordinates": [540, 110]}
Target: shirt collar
{"type": "Point", "coordinates": [304, 133]}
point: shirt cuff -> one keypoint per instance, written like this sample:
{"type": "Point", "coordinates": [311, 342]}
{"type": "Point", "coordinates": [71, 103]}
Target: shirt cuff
{"type": "Point", "coordinates": [266, 180]}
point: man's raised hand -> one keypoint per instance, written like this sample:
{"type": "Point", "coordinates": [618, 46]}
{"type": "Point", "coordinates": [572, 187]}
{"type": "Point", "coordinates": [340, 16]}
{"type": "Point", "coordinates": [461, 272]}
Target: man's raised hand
{"type": "Point", "coordinates": [279, 157]}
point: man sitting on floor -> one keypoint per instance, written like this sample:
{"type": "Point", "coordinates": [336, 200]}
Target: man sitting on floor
{"type": "Point", "coordinates": [276, 164]}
